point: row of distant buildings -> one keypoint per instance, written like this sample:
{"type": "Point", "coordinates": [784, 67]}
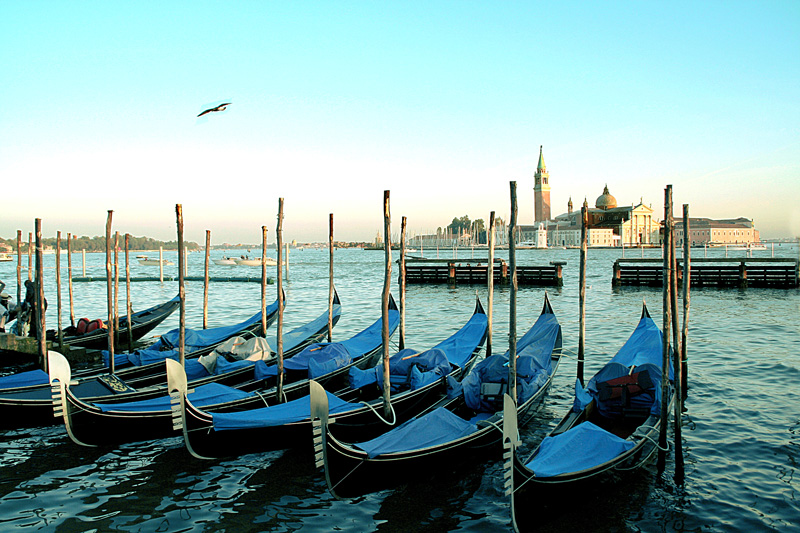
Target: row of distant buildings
{"type": "Point", "coordinates": [609, 225]}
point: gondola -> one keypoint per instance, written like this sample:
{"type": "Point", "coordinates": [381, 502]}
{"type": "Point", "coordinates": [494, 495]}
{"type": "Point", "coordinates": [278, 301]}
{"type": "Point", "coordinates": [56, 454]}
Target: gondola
{"type": "Point", "coordinates": [234, 431]}
{"type": "Point", "coordinates": [142, 323]}
{"type": "Point", "coordinates": [29, 404]}
{"type": "Point", "coordinates": [453, 431]}
{"type": "Point", "coordinates": [612, 427]}
{"type": "Point", "coordinates": [105, 423]}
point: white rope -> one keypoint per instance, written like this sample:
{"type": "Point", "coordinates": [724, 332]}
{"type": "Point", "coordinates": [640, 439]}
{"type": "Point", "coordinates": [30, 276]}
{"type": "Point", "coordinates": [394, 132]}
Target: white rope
{"type": "Point", "coordinates": [394, 416]}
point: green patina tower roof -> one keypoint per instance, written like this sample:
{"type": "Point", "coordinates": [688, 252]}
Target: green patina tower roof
{"type": "Point", "coordinates": [541, 160]}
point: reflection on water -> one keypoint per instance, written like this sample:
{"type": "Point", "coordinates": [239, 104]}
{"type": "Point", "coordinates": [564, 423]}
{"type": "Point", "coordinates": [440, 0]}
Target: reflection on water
{"type": "Point", "coordinates": [741, 427]}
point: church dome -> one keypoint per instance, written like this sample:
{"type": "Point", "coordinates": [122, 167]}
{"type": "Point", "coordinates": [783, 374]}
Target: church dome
{"type": "Point", "coordinates": [605, 200]}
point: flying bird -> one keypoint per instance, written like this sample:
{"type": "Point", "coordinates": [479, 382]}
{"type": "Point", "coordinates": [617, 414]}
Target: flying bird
{"type": "Point", "coordinates": [220, 107]}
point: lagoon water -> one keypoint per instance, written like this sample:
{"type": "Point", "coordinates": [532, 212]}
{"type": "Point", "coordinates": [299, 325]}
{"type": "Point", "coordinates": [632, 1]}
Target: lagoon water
{"type": "Point", "coordinates": [741, 428]}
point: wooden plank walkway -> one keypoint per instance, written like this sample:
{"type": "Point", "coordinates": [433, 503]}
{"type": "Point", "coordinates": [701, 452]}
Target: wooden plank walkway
{"type": "Point", "coordinates": [714, 272]}
{"type": "Point", "coordinates": [475, 271]}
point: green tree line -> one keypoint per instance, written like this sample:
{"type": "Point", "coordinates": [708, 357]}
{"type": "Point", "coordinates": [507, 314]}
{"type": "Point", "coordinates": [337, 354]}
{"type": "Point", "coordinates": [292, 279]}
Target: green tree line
{"type": "Point", "coordinates": [98, 244]}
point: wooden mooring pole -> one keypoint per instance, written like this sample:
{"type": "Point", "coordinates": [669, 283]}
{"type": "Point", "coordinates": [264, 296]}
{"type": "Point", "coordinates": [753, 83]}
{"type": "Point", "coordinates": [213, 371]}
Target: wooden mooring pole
{"type": "Point", "coordinates": [687, 283]}
{"type": "Point", "coordinates": [490, 286]}
{"type": "Point", "coordinates": [110, 293]}
{"type": "Point", "coordinates": [19, 267]}
{"type": "Point", "coordinates": [264, 280]}
{"type": "Point", "coordinates": [512, 313]}
{"type": "Point", "coordinates": [30, 256]}
{"type": "Point", "coordinates": [41, 331]}
{"type": "Point", "coordinates": [582, 293]}
{"type": "Point", "coordinates": [279, 333]}
{"type": "Point", "coordinates": [58, 290]}
{"type": "Point", "coordinates": [387, 283]}
{"type": "Point", "coordinates": [205, 279]}
{"type": "Point", "coordinates": [128, 300]}
{"type": "Point", "coordinates": [330, 278]}
{"type": "Point", "coordinates": [69, 275]}
{"type": "Point", "coordinates": [181, 286]}
{"type": "Point", "coordinates": [665, 329]}
{"type": "Point", "coordinates": [116, 286]}
{"type": "Point", "coordinates": [402, 344]}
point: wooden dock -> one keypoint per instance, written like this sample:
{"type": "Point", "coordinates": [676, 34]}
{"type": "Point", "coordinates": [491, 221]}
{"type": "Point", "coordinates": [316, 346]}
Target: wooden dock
{"type": "Point", "coordinates": [475, 271]}
{"type": "Point", "coordinates": [783, 273]}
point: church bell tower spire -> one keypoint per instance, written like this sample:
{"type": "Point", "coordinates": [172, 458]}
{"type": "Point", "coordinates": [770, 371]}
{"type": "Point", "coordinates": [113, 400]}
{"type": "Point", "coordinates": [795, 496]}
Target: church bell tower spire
{"type": "Point", "coordinates": [541, 191]}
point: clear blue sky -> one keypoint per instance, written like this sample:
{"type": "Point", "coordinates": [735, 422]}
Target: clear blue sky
{"type": "Point", "coordinates": [443, 103]}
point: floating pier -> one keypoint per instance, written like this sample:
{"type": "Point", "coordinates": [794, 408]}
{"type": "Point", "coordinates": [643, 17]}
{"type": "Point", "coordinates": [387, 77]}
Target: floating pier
{"type": "Point", "coordinates": [713, 272]}
{"type": "Point", "coordinates": [475, 271]}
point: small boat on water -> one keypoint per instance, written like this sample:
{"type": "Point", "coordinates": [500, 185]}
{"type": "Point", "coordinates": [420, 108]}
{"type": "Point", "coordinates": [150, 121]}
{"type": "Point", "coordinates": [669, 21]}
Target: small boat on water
{"type": "Point", "coordinates": [613, 425]}
{"type": "Point", "coordinates": [247, 261]}
{"type": "Point", "coordinates": [4, 257]}
{"type": "Point", "coordinates": [155, 262]}
{"type": "Point", "coordinates": [225, 261]}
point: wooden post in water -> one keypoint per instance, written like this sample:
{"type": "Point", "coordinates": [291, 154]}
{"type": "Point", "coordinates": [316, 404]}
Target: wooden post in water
{"type": "Point", "coordinates": [58, 290]}
{"type": "Point", "coordinates": [402, 283]}
{"type": "Point", "coordinates": [665, 330]}
{"type": "Point", "coordinates": [387, 283]}
{"type": "Point", "coordinates": [205, 280]}
{"type": "Point", "coordinates": [30, 256]}
{"type": "Point", "coordinates": [128, 303]}
{"type": "Point", "coordinates": [490, 286]}
{"type": "Point", "coordinates": [109, 293]}
{"type": "Point", "coordinates": [279, 333]}
{"type": "Point", "coordinates": [582, 292]}
{"type": "Point", "coordinates": [83, 256]}
{"type": "Point", "coordinates": [264, 281]}
{"type": "Point", "coordinates": [512, 314]}
{"type": "Point", "coordinates": [116, 286]}
{"type": "Point", "coordinates": [286, 263]}
{"type": "Point", "coordinates": [69, 274]}
{"type": "Point", "coordinates": [687, 286]}
{"type": "Point", "coordinates": [19, 267]}
{"type": "Point", "coordinates": [41, 331]}
{"type": "Point", "coordinates": [676, 355]}
{"type": "Point", "coordinates": [161, 263]}
{"type": "Point", "coordinates": [330, 279]}
{"type": "Point", "coordinates": [181, 288]}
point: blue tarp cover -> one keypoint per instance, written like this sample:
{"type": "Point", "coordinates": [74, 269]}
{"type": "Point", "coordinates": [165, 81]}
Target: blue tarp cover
{"type": "Point", "coordinates": [429, 366]}
{"type": "Point", "coordinates": [210, 394]}
{"type": "Point", "coordinates": [643, 350]}
{"type": "Point", "coordinates": [584, 446]}
{"type": "Point", "coordinates": [24, 379]}
{"type": "Point", "coordinates": [194, 340]}
{"type": "Point", "coordinates": [408, 370]}
{"type": "Point", "coordinates": [534, 366]}
{"type": "Point", "coordinates": [278, 414]}
{"type": "Point", "coordinates": [436, 427]}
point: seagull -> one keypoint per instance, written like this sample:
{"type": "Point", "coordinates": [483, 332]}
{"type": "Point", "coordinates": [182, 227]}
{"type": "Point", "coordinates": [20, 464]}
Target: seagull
{"type": "Point", "coordinates": [220, 107]}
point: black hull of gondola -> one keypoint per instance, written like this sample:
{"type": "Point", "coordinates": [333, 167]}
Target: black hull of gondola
{"type": "Point", "coordinates": [142, 323]}
{"type": "Point", "coordinates": [352, 473]}
{"type": "Point", "coordinates": [27, 407]}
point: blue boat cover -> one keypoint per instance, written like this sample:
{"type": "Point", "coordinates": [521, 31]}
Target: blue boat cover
{"type": "Point", "coordinates": [534, 367]}
{"type": "Point", "coordinates": [642, 351]}
{"type": "Point", "coordinates": [408, 370]}
{"type": "Point", "coordinates": [195, 339]}
{"type": "Point", "coordinates": [278, 414]}
{"type": "Point", "coordinates": [584, 446]}
{"type": "Point", "coordinates": [210, 394]}
{"type": "Point", "coordinates": [437, 427]}
{"type": "Point", "coordinates": [24, 379]}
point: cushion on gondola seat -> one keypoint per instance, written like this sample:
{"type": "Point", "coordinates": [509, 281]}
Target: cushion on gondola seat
{"type": "Point", "coordinates": [624, 386]}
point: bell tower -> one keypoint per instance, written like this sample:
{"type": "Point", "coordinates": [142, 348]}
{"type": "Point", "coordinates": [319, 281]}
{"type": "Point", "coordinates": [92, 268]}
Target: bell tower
{"type": "Point", "coordinates": [541, 192]}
